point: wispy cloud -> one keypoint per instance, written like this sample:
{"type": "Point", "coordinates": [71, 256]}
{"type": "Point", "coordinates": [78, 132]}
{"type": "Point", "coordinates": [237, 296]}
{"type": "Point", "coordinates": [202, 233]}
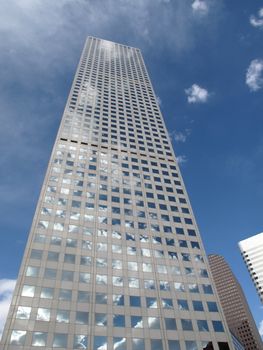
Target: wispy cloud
{"type": "Point", "coordinates": [159, 101]}
{"type": "Point", "coordinates": [196, 94]}
{"type": "Point", "coordinates": [179, 136]}
{"type": "Point", "coordinates": [6, 289]}
{"type": "Point", "coordinates": [200, 7]}
{"type": "Point", "coordinates": [181, 159]}
{"type": "Point", "coordinates": [254, 77]}
{"type": "Point", "coordinates": [257, 21]}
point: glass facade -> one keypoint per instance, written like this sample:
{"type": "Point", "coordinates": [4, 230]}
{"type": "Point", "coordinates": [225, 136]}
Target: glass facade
{"type": "Point", "coordinates": [114, 259]}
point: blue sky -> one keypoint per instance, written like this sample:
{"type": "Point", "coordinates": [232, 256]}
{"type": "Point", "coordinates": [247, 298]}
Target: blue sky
{"type": "Point", "coordinates": [205, 60]}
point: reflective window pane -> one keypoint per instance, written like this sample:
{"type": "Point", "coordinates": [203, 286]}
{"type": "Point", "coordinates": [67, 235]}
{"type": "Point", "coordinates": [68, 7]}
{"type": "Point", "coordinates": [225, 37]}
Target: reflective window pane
{"type": "Point", "coordinates": [119, 343]}
{"type": "Point", "coordinates": [65, 294]}
{"type": "Point", "coordinates": [151, 303]}
{"type": "Point", "coordinates": [202, 325]}
{"type": "Point", "coordinates": [138, 344]}
{"type": "Point", "coordinates": [182, 304]}
{"type": "Point", "coordinates": [32, 271]}
{"type": "Point", "coordinates": [82, 317]}
{"type": "Point", "coordinates": [154, 322]}
{"type": "Point", "coordinates": [50, 274]}
{"type": "Point", "coordinates": [136, 322]}
{"type": "Point", "coordinates": [101, 319]}
{"type": "Point", "coordinates": [80, 342]}
{"type": "Point", "coordinates": [135, 301]}
{"type": "Point", "coordinates": [118, 321]}
{"type": "Point", "coordinates": [118, 299]}
{"type": "Point", "coordinates": [100, 343]}
{"type": "Point", "coordinates": [62, 316]}
{"type": "Point", "coordinates": [170, 323]}
{"type": "Point", "coordinates": [23, 312]}
{"type": "Point", "coordinates": [39, 339]}
{"type": "Point", "coordinates": [156, 344]}
{"type": "Point", "coordinates": [198, 305]}
{"type": "Point", "coordinates": [218, 326]}
{"type": "Point", "coordinates": [83, 297]}
{"type": "Point", "coordinates": [67, 276]}
{"type": "Point", "coordinates": [174, 345]}
{"type": "Point", "coordinates": [191, 345]}
{"type": "Point", "coordinates": [18, 337]}
{"type": "Point", "coordinates": [28, 291]}
{"type": "Point", "coordinates": [43, 315]}
{"type": "Point", "coordinates": [187, 325]}
{"type": "Point", "coordinates": [101, 298]}
{"type": "Point", "coordinates": [60, 340]}
{"type": "Point", "coordinates": [47, 293]}
{"type": "Point", "coordinates": [212, 306]}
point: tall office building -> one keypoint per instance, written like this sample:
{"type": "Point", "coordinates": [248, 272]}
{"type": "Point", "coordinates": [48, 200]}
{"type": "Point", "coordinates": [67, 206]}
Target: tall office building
{"type": "Point", "coordinates": [252, 253]}
{"type": "Point", "coordinates": [114, 259]}
{"type": "Point", "coordinates": [235, 307]}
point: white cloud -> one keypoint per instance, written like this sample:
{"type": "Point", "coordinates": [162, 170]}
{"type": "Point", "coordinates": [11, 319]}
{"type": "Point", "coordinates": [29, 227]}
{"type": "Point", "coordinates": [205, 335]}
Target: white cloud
{"type": "Point", "coordinates": [254, 77]}
{"type": "Point", "coordinates": [159, 101]}
{"type": "Point", "coordinates": [179, 137]}
{"type": "Point", "coordinates": [200, 7]}
{"type": "Point", "coordinates": [260, 329]}
{"type": "Point", "coordinates": [196, 94]}
{"type": "Point", "coordinates": [181, 159]}
{"type": "Point", "coordinates": [257, 21]}
{"type": "Point", "coordinates": [6, 289]}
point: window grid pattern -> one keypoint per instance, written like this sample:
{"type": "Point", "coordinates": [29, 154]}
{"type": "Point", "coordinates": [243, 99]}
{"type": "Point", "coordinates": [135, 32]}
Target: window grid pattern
{"type": "Point", "coordinates": [114, 259]}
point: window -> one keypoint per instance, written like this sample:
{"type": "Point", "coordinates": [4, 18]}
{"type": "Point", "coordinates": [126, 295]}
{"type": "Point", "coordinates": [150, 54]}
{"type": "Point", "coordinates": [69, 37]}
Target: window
{"type": "Point", "coordinates": [156, 344]}
{"type": "Point", "coordinates": [170, 324]}
{"type": "Point", "coordinates": [39, 339]}
{"type": "Point", "coordinates": [80, 342]}
{"type": "Point", "coordinates": [174, 345]}
{"type": "Point", "coordinates": [191, 345]}
{"type": "Point", "coordinates": [202, 325]}
{"type": "Point", "coordinates": [118, 321]}
{"type": "Point", "coordinates": [47, 293]}
{"type": "Point", "coordinates": [182, 304]}
{"type": "Point", "coordinates": [60, 340]}
{"type": "Point", "coordinates": [28, 291]}
{"type": "Point", "coordinates": [18, 337]}
{"type": "Point", "coordinates": [212, 306]}
{"type": "Point", "coordinates": [136, 322]}
{"type": "Point", "coordinates": [154, 322]}
{"type": "Point", "coordinates": [43, 315]}
{"type": "Point", "coordinates": [135, 301]}
{"type": "Point", "coordinates": [23, 312]}
{"type": "Point", "coordinates": [99, 343]}
{"type": "Point", "coordinates": [82, 317]}
{"type": "Point", "coordinates": [218, 326]}
{"type": "Point", "coordinates": [138, 344]}
{"type": "Point", "coordinates": [101, 319]}
{"type": "Point", "coordinates": [62, 316]}
{"type": "Point", "coordinates": [119, 343]}
{"type": "Point", "coordinates": [198, 305]}
{"type": "Point", "coordinates": [207, 288]}
{"type": "Point", "coordinates": [186, 324]}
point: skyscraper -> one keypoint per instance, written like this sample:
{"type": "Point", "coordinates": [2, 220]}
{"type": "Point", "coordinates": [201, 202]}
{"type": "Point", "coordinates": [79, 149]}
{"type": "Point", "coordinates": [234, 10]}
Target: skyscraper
{"type": "Point", "coordinates": [235, 307]}
{"type": "Point", "coordinates": [114, 259]}
{"type": "Point", "coordinates": [252, 253]}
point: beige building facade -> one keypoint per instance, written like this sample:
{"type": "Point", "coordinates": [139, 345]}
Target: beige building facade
{"type": "Point", "coordinates": [114, 259]}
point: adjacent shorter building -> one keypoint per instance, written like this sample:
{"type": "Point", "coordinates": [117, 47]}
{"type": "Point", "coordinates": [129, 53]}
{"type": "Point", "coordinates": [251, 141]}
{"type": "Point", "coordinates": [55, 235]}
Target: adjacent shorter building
{"type": "Point", "coordinates": [235, 307]}
{"type": "Point", "coordinates": [252, 252]}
